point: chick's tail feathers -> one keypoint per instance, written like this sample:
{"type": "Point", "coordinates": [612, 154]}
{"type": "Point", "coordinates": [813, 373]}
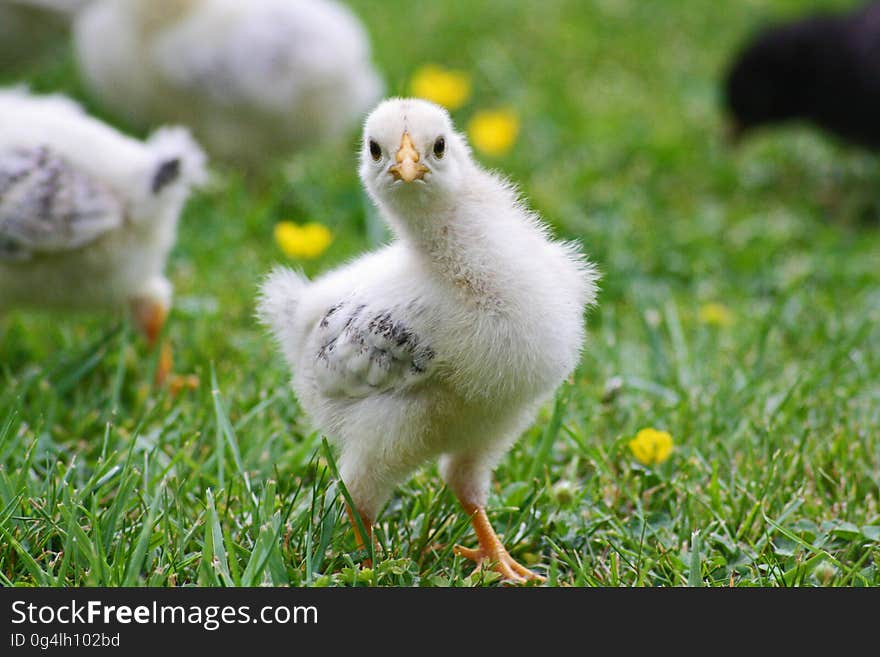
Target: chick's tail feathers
{"type": "Point", "coordinates": [277, 304]}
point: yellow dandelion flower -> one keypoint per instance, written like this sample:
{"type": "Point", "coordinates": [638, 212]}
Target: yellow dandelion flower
{"type": "Point", "coordinates": [304, 241]}
{"type": "Point", "coordinates": [442, 86]}
{"type": "Point", "coordinates": [494, 132]}
{"type": "Point", "coordinates": [651, 447]}
{"type": "Point", "coordinates": [715, 314]}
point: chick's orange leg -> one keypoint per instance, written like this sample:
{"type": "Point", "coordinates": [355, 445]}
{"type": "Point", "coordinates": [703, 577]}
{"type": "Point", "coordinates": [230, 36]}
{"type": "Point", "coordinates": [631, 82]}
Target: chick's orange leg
{"type": "Point", "coordinates": [150, 316]}
{"type": "Point", "coordinates": [368, 527]}
{"type": "Point", "coordinates": [491, 550]}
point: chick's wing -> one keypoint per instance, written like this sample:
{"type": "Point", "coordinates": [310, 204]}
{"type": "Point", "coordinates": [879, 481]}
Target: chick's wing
{"type": "Point", "coordinates": [364, 351]}
{"type": "Point", "coordinates": [47, 205]}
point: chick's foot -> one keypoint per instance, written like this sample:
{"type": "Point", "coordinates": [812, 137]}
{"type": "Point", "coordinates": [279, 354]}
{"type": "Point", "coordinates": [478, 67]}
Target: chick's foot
{"type": "Point", "coordinates": [149, 316]}
{"type": "Point", "coordinates": [165, 376]}
{"type": "Point", "coordinates": [492, 552]}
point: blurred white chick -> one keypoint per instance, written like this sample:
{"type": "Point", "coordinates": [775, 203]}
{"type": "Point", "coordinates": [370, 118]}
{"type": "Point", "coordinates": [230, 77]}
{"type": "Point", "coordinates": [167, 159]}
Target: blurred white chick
{"type": "Point", "coordinates": [443, 343]}
{"type": "Point", "coordinates": [87, 214]}
{"type": "Point", "coordinates": [254, 80]}
{"type": "Point", "coordinates": [28, 28]}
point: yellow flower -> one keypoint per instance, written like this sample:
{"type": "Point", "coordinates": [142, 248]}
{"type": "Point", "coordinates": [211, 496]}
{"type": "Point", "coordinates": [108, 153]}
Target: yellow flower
{"type": "Point", "coordinates": [715, 314]}
{"type": "Point", "coordinates": [494, 132]}
{"type": "Point", "coordinates": [306, 241]}
{"type": "Point", "coordinates": [651, 447]}
{"type": "Point", "coordinates": [442, 86]}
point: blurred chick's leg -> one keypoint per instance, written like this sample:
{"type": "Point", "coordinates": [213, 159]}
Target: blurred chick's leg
{"type": "Point", "coordinates": [164, 375]}
{"type": "Point", "coordinates": [164, 367]}
{"type": "Point", "coordinates": [149, 317]}
{"type": "Point", "coordinates": [491, 549]}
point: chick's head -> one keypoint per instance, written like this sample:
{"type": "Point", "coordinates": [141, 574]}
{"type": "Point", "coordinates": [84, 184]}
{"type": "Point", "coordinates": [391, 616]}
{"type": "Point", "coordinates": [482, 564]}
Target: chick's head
{"type": "Point", "coordinates": [411, 154]}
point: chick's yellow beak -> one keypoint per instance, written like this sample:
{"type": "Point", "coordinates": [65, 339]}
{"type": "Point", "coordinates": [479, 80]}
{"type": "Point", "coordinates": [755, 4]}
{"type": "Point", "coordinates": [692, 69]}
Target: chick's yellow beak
{"type": "Point", "coordinates": [408, 167]}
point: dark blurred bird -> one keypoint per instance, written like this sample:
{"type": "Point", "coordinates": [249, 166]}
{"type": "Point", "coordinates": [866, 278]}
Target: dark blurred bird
{"type": "Point", "coordinates": [823, 69]}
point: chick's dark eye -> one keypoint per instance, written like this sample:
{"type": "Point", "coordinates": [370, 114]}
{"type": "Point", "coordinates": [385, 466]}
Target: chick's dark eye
{"type": "Point", "coordinates": [439, 147]}
{"type": "Point", "coordinates": [375, 150]}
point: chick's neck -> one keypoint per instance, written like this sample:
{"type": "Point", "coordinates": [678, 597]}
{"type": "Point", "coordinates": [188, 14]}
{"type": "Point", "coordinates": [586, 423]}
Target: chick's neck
{"type": "Point", "coordinates": [465, 241]}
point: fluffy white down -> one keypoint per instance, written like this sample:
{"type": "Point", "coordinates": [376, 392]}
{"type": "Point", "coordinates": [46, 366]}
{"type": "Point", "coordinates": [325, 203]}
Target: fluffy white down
{"type": "Point", "coordinates": [62, 253]}
{"type": "Point", "coordinates": [252, 79]}
{"type": "Point", "coordinates": [473, 294]}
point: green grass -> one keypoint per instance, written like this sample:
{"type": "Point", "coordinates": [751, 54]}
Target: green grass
{"type": "Point", "coordinates": [774, 479]}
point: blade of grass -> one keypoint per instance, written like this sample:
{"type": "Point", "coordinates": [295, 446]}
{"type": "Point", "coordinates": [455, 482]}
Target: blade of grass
{"type": "Point", "coordinates": [550, 431]}
{"type": "Point", "coordinates": [215, 552]}
{"type": "Point", "coordinates": [136, 562]}
{"type": "Point", "coordinates": [225, 430]}
{"type": "Point", "coordinates": [695, 574]}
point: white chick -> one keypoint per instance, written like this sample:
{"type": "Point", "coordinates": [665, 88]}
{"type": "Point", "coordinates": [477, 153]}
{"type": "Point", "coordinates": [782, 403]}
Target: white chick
{"type": "Point", "coordinates": [87, 214]}
{"type": "Point", "coordinates": [443, 343]}
{"type": "Point", "coordinates": [254, 80]}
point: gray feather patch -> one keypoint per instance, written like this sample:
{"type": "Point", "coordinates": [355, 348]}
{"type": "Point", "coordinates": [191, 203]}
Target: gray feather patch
{"type": "Point", "coordinates": [47, 205]}
{"type": "Point", "coordinates": [364, 351]}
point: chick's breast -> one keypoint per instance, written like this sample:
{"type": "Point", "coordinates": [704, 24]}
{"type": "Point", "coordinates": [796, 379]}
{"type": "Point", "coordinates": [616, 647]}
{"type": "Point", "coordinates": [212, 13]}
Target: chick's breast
{"type": "Point", "coordinates": [388, 345]}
